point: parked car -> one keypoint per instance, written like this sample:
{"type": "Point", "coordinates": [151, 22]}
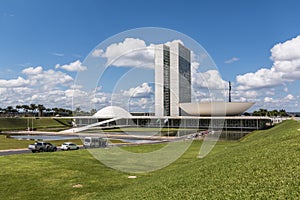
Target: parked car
{"type": "Point", "coordinates": [42, 146]}
{"type": "Point", "coordinates": [69, 146]}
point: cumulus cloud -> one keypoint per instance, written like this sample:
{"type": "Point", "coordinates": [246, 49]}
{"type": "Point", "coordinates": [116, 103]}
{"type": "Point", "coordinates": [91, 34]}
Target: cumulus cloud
{"type": "Point", "coordinates": [32, 70]}
{"type": "Point", "coordinates": [132, 52]}
{"type": "Point", "coordinates": [174, 41]}
{"type": "Point", "coordinates": [97, 52]}
{"type": "Point", "coordinates": [19, 82]}
{"type": "Point", "coordinates": [47, 78]}
{"type": "Point", "coordinates": [75, 66]}
{"type": "Point", "coordinates": [232, 60]}
{"type": "Point", "coordinates": [37, 86]}
{"type": "Point", "coordinates": [263, 78]}
{"type": "Point", "coordinates": [289, 97]}
{"type": "Point", "coordinates": [268, 100]}
{"type": "Point", "coordinates": [289, 50]}
{"type": "Point", "coordinates": [285, 68]}
{"type": "Point", "coordinates": [210, 79]}
{"type": "Point", "coordinates": [100, 100]}
{"type": "Point", "coordinates": [141, 104]}
{"type": "Point", "coordinates": [143, 90]}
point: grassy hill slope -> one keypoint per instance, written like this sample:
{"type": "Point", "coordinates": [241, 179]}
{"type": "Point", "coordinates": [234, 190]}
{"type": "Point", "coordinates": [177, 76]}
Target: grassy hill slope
{"type": "Point", "coordinates": [38, 123]}
{"type": "Point", "coordinates": [264, 165]}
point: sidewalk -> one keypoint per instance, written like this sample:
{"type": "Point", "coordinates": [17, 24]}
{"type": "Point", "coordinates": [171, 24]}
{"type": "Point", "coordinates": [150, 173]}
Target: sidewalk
{"type": "Point", "coordinates": [9, 150]}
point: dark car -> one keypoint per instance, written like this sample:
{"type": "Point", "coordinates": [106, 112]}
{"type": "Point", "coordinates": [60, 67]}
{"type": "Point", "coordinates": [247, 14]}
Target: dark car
{"type": "Point", "coordinates": [42, 147]}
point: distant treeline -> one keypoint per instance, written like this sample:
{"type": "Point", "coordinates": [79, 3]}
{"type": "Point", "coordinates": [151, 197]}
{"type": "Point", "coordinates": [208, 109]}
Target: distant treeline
{"type": "Point", "coordinates": [269, 113]}
{"type": "Point", "coordinates": [37, 110]}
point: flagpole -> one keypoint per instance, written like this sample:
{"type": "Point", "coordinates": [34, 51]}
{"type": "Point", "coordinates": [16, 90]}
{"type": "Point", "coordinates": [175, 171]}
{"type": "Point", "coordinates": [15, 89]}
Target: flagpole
{"type": "Point", "coordinates": [168, 128]}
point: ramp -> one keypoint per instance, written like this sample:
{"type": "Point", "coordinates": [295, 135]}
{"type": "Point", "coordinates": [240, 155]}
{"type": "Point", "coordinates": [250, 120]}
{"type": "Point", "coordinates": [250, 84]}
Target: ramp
{"type": "Point", "coordinates": [84, 128]}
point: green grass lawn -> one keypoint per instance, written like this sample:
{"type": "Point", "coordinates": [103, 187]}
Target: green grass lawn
{"type": "Point", "coordinates": [264, 165]}
{"type": "Point", "coordinates": [43, 123]}
{"type": "Point", "coordinates": [11, 143]}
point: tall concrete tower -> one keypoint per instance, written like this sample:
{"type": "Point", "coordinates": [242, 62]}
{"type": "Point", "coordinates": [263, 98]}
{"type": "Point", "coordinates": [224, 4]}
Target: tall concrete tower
{"type": "Point", "coordinates": [172, 78]}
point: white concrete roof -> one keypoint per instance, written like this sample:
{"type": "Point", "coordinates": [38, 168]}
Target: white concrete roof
{"type": "Point", "coordinates": [215, 108]}
{"type": "Point", "coordinates": [112, 112]}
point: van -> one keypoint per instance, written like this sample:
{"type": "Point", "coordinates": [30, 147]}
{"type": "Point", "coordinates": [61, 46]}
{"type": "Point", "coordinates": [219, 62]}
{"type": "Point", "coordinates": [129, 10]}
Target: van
{"type": "Point", "coordinates": [94, 142]}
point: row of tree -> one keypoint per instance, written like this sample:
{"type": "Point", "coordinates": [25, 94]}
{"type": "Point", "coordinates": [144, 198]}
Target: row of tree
{"type": "Point", "coordinates": [270, 113]}
{"type": "Point", "coordinates": [40, 110]}
{"type": "Point", "coordinates": [33, 110]}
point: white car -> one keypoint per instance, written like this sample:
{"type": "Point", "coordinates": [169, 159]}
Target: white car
{"type": "Point", "coordinates": [69, 146]}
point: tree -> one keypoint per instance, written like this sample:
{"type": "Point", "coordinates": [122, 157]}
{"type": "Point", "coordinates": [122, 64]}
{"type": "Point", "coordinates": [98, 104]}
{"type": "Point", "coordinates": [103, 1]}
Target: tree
{"type": "Point", "coordinates": [41, 108]}
{"type": "Point", "coordinates": [25, 108]}
{"type": "Point", "coordinates": [263, 112]}
{"type": "Point", "coordinates": [282, 113]}
{"type": "Point", "coordinates": [32, 107]}
{"type": "Point", "coordinates": [9, 109]}
{"type": "Point", "coordinates": [246, 114]}
{"type": "Point", "coordinates": [93, 111]}
{"type": "Point", "coordinates": [18, 107]}
{"type": "Point", "coordinates": [55, 110]}
{"type": "Point", "coordinates": [275, 113]}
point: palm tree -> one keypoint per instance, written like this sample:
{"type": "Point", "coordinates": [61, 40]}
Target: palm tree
{"type": "Point", "coordinates": [41, 108]}
{"type": "Point", "coordinates": [32, 107]}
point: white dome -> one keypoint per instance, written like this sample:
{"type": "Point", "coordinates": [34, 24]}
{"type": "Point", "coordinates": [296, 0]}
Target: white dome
{"type": "Point", "coordinates": [112, 112]}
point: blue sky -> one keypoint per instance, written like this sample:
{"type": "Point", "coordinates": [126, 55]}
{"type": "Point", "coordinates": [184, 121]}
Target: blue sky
{"type": "Point", "coordinates": [238, 35]}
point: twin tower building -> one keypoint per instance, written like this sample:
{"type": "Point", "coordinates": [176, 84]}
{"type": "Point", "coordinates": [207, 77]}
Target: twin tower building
{"type": "Point", "coordinates": [172, 78]}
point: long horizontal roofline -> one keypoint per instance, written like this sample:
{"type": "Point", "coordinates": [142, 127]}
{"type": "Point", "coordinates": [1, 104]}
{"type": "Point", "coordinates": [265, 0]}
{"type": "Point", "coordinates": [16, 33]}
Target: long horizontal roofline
{"type": "Point", "coordinates": [170, 117]}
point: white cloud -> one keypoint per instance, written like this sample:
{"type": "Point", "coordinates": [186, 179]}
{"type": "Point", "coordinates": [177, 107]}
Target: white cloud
{"type": "Point", "coordinates": [142, 104]}
{"type": "Point", "coordinates": [268, 100]}
{"type": "Point", "coordinates": [58, 54]}
{"type": "Point", "coordinates": [174, 41]}
{"type": "Point", "coordinates": [32, 70]}
{"type": "Point", "coordinates": [100, 100]}
{"type": "Point", "coordinates": [249, 94]}
{"type": "Point", "coordinates": [288, 103]}
{"type": "Point", "coordinates": [97, 52]}
{"type": "Point", "coordinates": [289, 97]}
{"type": "Point", "coordinates": [49, 79]}
{"type": "Point", "coordinates": [130, 53]}
{"type": "Point", "coordinates": [75, 93]}
{"type": "Point", "coordinates": [289, 50]}
{"type": "Point", "coordinates": [285, 68]}
{"type": "Point", "coordinates": [37, 86]}
{"type": "Point", "coordinates": [263, 78]}
{"type": "Point", "coordinates": [210, 79]}
{"type": "Point", "coordinates": [19, 82]}
{"type": "Point", "coordinates": [232, 60]}
{"type": "Point", "coordinates": [143, 90]}
{"type": "Point", "coordinates": [75, 66]}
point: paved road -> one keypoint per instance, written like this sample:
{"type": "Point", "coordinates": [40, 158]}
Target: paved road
{"type": "Point", "coordinates": [23, 151]}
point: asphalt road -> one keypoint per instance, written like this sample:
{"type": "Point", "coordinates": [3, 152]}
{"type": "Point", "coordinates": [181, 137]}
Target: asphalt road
{"type": "Point", "coordinates": [14, 151]}
{"type": "Point", "coordinates": [22, 151]}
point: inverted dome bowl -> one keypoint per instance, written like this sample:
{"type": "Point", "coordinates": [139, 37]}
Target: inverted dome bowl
{"type": "Point", "coordinates": [215, 108]}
